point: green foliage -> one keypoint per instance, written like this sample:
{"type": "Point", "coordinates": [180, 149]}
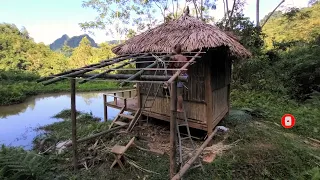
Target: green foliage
{"type": "Point", "coordinates": [249, 35]}
{"type": "Point", "coordinates": [274, 106]}
{"type": "Point", "coordinates": [294, 25]}
{"type": "Point", "coordinates": [16, 86]}
{"type": "Point", "coordinates": [19, 52]}
{"type": "Point", "coordinates": [64, 114]}
{"type": "Point", "coordinates": [18, 164]}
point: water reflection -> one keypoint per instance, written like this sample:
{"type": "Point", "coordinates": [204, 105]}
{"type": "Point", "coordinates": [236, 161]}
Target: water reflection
{"type": "Point", "coordinates": [17, 122]}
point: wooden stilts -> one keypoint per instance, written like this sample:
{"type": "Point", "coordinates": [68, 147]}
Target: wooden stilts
{"type": "Point", "coordinates": [105, 108]}
{"type": "Point", "coordinates": [173, 130]}
{"type": "Point", "coordinates": [74, 123]}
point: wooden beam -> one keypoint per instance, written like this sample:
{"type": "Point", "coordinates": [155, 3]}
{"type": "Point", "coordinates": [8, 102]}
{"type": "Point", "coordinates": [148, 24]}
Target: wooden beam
{"type": "Point", "coordinates": [97, 135]}
{"type": "Point", "coordinates": [138, 73]}
{"type": "Point", "coordinates": [142, 77]}
{"type": "Point", "coordinates": [183, 67]}
{"type": "Point", "coordinates": [107, 71]}
{"type": "Point", "coordinates": [74, 123]}
{"type": "Point", "coordinates": [59, 78]}
{"type": "Point", "coordinates": [73, 70]}
{"type": "Point", "coordinates": [184, 169]}
{"type": "Point", "coordinates": [173, 128]}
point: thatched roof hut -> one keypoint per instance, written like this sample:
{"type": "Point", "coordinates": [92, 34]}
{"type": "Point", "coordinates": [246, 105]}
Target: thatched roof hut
{"type": "Point", "coordinates": [188, 31]}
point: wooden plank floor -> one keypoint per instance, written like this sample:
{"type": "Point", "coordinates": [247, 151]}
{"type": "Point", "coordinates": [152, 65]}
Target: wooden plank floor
{"type": "Point", "coordinates": [132, 104]}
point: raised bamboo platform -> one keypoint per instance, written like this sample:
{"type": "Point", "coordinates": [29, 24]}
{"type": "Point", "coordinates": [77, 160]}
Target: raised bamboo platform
{"type": "Point", "coordinates": [130, 101]}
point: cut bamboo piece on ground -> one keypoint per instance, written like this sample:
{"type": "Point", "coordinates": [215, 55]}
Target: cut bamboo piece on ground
{"type": "Point", "coordinates": [187, 166]}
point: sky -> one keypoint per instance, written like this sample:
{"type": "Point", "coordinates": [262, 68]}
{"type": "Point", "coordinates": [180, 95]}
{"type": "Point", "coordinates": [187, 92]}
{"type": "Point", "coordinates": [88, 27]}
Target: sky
{"type": "Point", "coordinates": [47, 20]}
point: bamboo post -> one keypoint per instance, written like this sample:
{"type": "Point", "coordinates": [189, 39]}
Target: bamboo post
{"type": "Point", "coordinates": [130, 94]}
{"type": "Point", "coordinates": [184, 169]}
{"type": "Point", "coordinates": [122, 93]}
{"type": "Point", "coordinates": [74, 124]}
{"type": "Point", "coordinates": [115, 98]}
{"type": "Point", "coordinates": [105, 108]}
{"type": "Point", "coordinates": [173, 130]}
{"type": "Point", "coordinates": [125, 103]}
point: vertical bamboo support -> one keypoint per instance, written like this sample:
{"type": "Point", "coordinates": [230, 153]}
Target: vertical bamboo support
{"type": "Point", "coordinates": [115, 98]}
{"type": "Point", "coordinates": [122, 94]}
{"type": "Point", "coordinates": [209, 100]}
{"type": "Point", "coordinates": [105, 108]}
{"type": "Point", "coordinates": [173, 130]}
{"type": "Point", "coordinates": [138, 94]}
{"type": "Point", "coordinates": [130, 94]}
{"type": "Point", "coordinates": [125, 103]}
{"type": "Point", "coordinates": [74, 123]}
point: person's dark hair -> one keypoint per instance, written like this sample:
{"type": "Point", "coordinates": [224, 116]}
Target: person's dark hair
{"type": "Point", "coordinates": [177, 48]}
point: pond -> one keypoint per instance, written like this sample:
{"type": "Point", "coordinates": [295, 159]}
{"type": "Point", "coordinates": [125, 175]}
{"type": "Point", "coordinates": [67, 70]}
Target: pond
{"type": "Point", "coordinates": [18, 122]}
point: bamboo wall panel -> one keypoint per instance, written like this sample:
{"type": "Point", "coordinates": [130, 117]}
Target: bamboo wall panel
{"type": "Point", "coordinates": [195, 111]}
{"type": "Point", "coordinates": [195, 85]}
{"type": "Point", "coordinates": [220, 101]}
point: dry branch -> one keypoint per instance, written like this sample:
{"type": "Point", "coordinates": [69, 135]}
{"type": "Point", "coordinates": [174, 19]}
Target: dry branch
{"type": "Point", "coordinates": [272, 13]}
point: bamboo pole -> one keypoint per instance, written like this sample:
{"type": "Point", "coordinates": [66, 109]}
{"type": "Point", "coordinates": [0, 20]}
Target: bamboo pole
{"type": "Point", "coordinates": [173, 130]}
{"type": "Point", "coordinates": [184, 169]}
{"type": "Point", "coordinates": [100, 133]}
{"type": "Point", "coordinates": [110, 70]}
{"type": "Point", "coordinates": [74, 123]}
{"type": "Point", "coordinates": [138, 73]}
{"type": "Point", "coordinates": [142, 77]}
{"type": "Point", "coordinates": [183, 67]}
{"type": "Point", "coordinates": [59, 78]}
{"type": "Point", "coordinates": [105, 108]}
{"type": "Point", "coordinates": [73, 70]}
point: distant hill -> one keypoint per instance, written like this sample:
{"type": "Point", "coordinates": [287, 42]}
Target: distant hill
{"type": "Point", "coordinates": [295, 25]}
{"type": "Point", "coordinates": [72, 42]}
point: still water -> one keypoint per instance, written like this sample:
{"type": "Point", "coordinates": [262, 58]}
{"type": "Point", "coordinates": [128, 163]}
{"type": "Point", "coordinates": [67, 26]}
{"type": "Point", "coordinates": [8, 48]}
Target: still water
{"type": "Point", "coordinates": [18, 122]}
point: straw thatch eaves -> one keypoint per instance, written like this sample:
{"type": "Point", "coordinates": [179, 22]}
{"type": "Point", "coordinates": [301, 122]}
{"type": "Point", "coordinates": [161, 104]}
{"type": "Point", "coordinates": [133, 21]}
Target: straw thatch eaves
{"type": "Point", "coordinates": [188, 31]}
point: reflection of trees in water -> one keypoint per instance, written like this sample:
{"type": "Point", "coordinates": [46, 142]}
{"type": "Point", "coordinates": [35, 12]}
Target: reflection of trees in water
{"type": "Point", "coordinates": [16, 109]}
{"type": "Point", "coordinates": [88, 97]}
{"type": "Point", "coordinates": [31, 102]}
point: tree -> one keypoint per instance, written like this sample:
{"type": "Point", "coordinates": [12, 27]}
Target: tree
{"type": "Point", "coordinates": [293, 26]}
{"type": "Point", "coordinates": [81, 55]}
{"type": "Point", "coordinates": [119, 15]}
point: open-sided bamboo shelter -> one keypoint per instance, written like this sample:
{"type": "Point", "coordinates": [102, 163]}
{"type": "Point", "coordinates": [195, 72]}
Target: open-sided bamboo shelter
{"type": "Point", "coordinates": [210, 52]}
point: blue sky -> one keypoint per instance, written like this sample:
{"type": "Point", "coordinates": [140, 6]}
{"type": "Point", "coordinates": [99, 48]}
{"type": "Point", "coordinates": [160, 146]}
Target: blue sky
{"type": "Point", "coordinates": [47, 20]}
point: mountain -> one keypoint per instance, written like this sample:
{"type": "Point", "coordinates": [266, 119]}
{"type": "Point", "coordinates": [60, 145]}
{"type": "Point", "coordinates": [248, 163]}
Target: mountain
{"type": "Point", "coordinates": [72, 42]}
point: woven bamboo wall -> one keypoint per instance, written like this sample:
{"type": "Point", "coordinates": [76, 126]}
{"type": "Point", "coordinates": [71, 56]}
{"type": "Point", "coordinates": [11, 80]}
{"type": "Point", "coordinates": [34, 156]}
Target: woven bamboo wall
{"type": "Point", "coordinates": [195, 85]}
{"type": "Point", "coordinates": [195, 111]}
{"type": "Point", "coordinates": [220, 101]}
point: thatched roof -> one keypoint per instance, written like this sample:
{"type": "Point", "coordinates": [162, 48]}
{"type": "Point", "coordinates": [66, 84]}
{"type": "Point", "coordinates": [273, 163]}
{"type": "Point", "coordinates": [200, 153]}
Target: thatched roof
{"type": "Point", "coordinates": [188, 31]}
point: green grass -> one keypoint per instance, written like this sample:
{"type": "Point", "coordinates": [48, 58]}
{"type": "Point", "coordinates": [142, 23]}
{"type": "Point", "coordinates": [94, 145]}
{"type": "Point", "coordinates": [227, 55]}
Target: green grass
{"type": "Point", "coordinates": [264, 149]}
{"type": "Point", "coordinates": [19, 91]}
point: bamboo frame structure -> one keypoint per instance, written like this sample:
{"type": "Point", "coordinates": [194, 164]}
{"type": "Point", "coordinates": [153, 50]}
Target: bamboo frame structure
{"type": "Point", "coordinates": [125, 78]}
